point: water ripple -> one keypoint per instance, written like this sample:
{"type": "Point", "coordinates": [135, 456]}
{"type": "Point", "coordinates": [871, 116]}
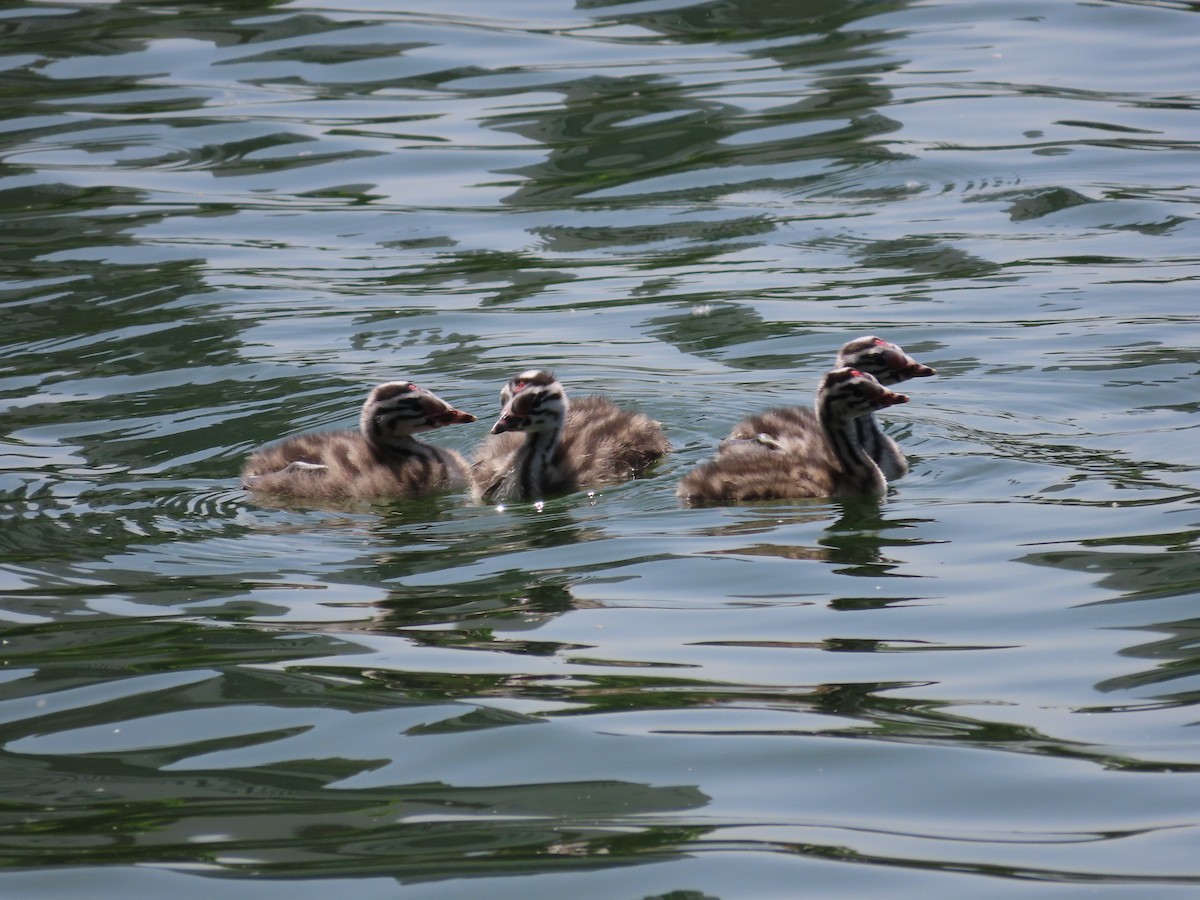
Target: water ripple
{"type": "Point", "coordinates": [220, 229]}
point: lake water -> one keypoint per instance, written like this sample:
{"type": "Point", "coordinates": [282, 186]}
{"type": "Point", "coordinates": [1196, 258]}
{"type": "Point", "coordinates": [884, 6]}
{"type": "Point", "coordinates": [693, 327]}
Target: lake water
{"type": "Point", "coordinates": [223, 222]}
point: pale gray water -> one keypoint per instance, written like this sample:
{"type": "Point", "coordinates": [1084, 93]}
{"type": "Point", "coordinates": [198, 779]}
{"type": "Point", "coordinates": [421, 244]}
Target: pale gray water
{"type": "Point", "coordinates": [223, 222]}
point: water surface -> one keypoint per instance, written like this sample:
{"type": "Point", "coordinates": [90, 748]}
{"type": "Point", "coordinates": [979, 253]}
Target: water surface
{"type": "Point", "coordinates": [223, 222]}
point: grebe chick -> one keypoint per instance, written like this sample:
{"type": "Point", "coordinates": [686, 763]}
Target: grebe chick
{"type": "Point", "coordinates": [890, 365]}
{"type": "Point", "coordinates": [564, 447]}
{"type": "Point", "coordinates": [381, 459]}
{"type": "Point", "coordinates": [872, 355]}
{"type": "Point", "coordinates": [818, 454]}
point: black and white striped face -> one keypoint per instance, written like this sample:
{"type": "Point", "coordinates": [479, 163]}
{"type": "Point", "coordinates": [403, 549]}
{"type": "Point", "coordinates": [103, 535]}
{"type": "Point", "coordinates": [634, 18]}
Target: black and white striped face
{"type": "Point", "coordinates": [400, 408]}
{"type": "Point", "coordinates": [533, 401]}
{"type": "Point", "coordinates": [886, 361]}
{"type": "Point", "coordinates": [852, 392]}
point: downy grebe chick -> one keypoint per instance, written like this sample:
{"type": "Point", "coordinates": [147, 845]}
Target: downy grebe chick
{"type": "Point", "coordinates": [872, 355]}
{"type": "Point", "coordinates": [817, 454]}
{"type": "Point", "coordinates": [890, 365]}
{"type": "Point", "coordinates": [564, 447]}
{"type": "Point", "coordinates": [381, 459]}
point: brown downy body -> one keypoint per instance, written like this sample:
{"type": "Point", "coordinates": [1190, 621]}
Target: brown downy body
{"type": "Point", "coordinates": [800, 453]}
{"type": "Point", "coordinates": [380, 460]}
{"type": "Point", "coordinates": [887, 362]}
{"type": "Point", "coordinates": [541, 445]}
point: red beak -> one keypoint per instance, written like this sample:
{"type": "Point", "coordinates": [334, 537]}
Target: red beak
{"type": "Point", "coordinates": [507, 422]}
{"type": "Point", "coordinates": [452, 416]}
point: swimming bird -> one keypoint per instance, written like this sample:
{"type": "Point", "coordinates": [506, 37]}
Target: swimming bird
{"type": "Point", "coordinates": [890, 365]}
{"type": "Point", "coordinates": [873, 355]}
{"type": "Point", "coordinates": [380, 459]}
{"type": "Point", "coordinates": [543, 445]}
{"type": "Point", "coordinates": [807, 452]}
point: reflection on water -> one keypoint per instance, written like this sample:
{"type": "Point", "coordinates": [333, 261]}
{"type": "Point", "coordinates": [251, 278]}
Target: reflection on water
{"type": "Point", "coordinates": [1164, 568]}
{"type": "Point", "coordinates": [221, 225]}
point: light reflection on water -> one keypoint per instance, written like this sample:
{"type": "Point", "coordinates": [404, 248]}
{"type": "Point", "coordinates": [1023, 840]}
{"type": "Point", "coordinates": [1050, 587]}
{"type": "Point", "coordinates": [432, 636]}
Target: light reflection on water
{"type": "Point", "coordinates": [221, 225]}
